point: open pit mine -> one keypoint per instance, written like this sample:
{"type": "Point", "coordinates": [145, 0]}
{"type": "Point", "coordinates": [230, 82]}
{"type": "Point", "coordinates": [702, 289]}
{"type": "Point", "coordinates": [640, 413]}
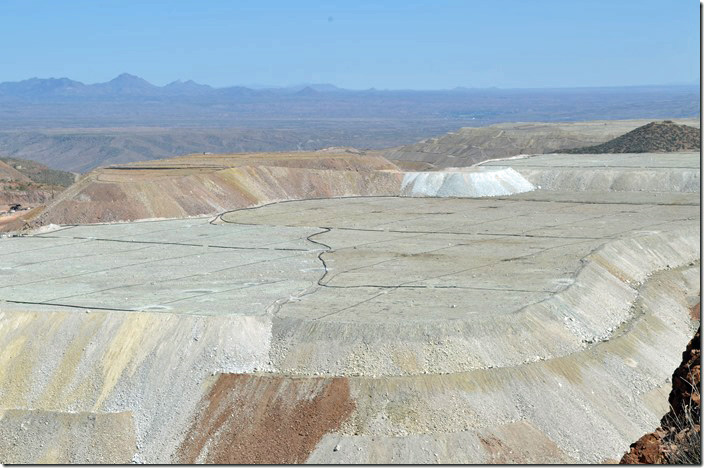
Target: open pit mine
{"type": "Point", "coordinates": [333, 308]}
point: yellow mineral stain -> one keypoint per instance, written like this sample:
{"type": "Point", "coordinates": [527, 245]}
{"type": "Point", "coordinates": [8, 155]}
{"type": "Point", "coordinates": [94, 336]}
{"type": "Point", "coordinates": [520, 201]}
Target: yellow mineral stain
{"type": "Point", "coordinates": [11, 351]}
{"type": "Point", "coordinates": [52, 456]}
{"type": "Point", "coordinates": [10, 322]}
{"type": "Point", "coordinates": [55, 395]}
{"type": "Point", "coordinates": [235, 180]}
{"type": "Point", "coordinates": [15, 366]}
{"type": "Point", "coordinates": [568, 367]}
{"type": "Point", "coordinates": [128, 341]}
{"type": "Point", "coordinates": [611, 268]}
{"type": "Point", "coordinates": [405, 360]}
{"type": "Point", "coordinates": [485, 381]}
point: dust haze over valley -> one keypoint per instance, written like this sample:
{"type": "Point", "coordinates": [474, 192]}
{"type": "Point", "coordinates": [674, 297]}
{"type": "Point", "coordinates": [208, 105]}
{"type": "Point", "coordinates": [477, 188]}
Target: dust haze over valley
{"type": "Point", "coordinates": [71, 126]}
{"type": "Point", "coordinates": [491, 256]}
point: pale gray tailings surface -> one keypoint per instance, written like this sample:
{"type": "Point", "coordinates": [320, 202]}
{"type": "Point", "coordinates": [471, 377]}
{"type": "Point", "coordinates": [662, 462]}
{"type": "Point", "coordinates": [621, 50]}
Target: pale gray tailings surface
{"type": "Point", "coordinates": [536, 327]}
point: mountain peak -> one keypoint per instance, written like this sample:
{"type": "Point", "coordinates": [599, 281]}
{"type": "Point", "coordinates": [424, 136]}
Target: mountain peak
{"type": "Point", "coordinates": [131, 79]}
{"type": "Point", "coordinates": [127, 84]}
{"type": "Point", "coordinates": [186, 87]}
{"type": "Point", "coordinates": [185, 84]}
{"type": "Point", "coordinates": [125, 76]}
{"type": "Point", "coordinates": [307, 91]}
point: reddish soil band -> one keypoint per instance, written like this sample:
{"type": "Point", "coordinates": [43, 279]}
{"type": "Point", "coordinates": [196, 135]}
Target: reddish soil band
{"type": "Point", "coordinates": [265, 419]}
{"type": "Point", "coordinates": [695, 312]}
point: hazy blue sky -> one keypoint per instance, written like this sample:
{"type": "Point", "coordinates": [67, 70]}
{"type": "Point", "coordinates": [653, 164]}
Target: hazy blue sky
{"type": "Point", "coordinates": [355, 44]}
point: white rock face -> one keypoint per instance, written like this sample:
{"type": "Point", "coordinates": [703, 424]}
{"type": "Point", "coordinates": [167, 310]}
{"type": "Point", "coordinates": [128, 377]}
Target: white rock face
{"type": "Point", "coordinates": [477, 182]}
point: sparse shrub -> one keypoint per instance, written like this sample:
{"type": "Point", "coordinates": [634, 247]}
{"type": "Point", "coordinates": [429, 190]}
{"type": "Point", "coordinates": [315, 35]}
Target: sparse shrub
{"type": "Point", "coordinates": [686, 449]}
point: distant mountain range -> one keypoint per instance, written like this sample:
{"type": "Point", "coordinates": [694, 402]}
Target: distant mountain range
{"type": "Point", "coordinates": [75, 126]}
{"type": "Point", "coordinates": [127, 85]}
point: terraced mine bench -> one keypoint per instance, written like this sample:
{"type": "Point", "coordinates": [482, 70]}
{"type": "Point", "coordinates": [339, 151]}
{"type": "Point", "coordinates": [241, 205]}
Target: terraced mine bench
{"type": "Point", "coordinates": [539, 326]}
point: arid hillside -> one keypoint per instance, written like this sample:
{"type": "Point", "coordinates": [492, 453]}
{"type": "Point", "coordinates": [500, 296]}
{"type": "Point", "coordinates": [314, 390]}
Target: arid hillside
{"type": "Point", "coordinates": [202, 184]}
{"type": "Point", "coordinates": [40, 173]}
{"type": "Point", "coordinates": [28, 184]}
{"type": "Point", "coordinates": [85, 149]}
{"type": "Point", "coordinates": [25, 181]}
{"type": "Point", "coordinates": [469, 146]}
{"type": "Point", "coordinates": [655, 137]}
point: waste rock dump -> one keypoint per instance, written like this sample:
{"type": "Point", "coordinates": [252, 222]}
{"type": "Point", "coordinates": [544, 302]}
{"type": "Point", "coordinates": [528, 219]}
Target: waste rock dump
{"type": "Point", "coordinates": [337, 309]}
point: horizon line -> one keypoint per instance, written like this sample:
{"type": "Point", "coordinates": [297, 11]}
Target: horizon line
{"type": "Point", "coordinates": [257, 87]}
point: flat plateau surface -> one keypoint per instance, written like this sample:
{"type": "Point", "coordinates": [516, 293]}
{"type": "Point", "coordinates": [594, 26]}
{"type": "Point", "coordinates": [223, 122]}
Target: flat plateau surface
{"type": "Point", "coordinates": [385, 259]}
{"type": "Point", "coordinates": [539, 327]}
{"type": "Point", "coordinates": [683, 160]}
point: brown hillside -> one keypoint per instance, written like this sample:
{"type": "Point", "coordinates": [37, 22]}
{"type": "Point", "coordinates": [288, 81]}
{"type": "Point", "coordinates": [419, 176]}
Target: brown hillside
{"type": "Point", "coordinates": [9, 173]}
{"type": "Point", "coordinates": [206, 184]}
{"type": "Point", "coordinates": [655, 137]}
{"type": "Point", "coordinates": [29, 183]}
{"type": "Point", "coordinates": [472, 145]}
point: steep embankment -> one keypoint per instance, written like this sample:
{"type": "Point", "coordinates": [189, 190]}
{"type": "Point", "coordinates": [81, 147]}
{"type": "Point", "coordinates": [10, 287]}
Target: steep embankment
{"type": "Point", "coordinates": [655, 137]}
{"type": "Point", "coordinates": [678, 439]}
{"type": "Point", "coordinates": [199, 185]}
{"type": "Point", "coordinates": [202, 185]}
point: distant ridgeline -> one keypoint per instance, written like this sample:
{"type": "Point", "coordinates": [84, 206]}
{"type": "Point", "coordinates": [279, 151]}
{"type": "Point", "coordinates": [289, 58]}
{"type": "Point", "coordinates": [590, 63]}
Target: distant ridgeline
{"type": "Point", "coordinates": [73, 126]}
{"type": "Point", "coordinates": [129, 100]}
